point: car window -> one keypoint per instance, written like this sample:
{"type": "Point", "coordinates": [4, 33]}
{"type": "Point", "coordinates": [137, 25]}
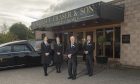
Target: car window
{"type": "Point", "coordinates": [19, 48]}
{"type": "Point", "coordinates": [36, 44]}
{"type": "Point", "coordinates": [5, 49]}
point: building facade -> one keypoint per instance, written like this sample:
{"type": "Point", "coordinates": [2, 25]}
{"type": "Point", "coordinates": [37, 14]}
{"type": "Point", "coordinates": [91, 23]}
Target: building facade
{"type": "Point", "coordinates": [130, 53]}
{"type": "Point", "coordinates": [118, 21]}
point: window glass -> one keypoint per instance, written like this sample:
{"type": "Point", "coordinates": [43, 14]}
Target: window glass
{"type": "Point", "coordinates": [5, 49]}
{"type": "Point", "coordinates": [19, 48]}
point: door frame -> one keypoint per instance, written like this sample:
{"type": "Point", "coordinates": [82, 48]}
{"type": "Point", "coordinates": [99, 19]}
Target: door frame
{"type": "Point", "coordinates": [113, 44]}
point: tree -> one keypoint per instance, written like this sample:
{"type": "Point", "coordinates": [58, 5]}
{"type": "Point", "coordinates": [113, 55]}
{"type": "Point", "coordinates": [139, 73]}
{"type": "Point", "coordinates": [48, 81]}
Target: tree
{"type": "Point", "coordinates": [21, 31]}
{"type": "Point", "coordinates": [30, 34]}
{"type": "Point", "coordinates": [7, 37]}
{"type": "Point", "coordinates": [4, 28]}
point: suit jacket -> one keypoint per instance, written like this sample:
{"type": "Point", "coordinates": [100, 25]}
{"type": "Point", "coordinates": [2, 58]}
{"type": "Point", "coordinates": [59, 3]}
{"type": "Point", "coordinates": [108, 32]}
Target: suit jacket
{"type": "Point", "coordinates": [45, 49]}
{"type": "Point", "coordinates": [58, 48]}
{"type": "Point", "coordinates": [72, 50]}
{"type": "Point", "coordinates": [89, 47]}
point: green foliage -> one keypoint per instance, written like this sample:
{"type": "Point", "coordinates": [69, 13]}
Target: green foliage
{"type": "Point", "coordinates": [21, 31]}
{"type": "Point", "coordinates": [17, 31]}
{"type": "Point", "coordinates": [101, 40]}
{"type": "Point", "coordinates": [7, 37]}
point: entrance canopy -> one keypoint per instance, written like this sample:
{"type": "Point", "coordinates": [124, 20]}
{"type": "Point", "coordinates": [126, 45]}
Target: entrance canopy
{"type": "Point", "coordinates": [98, 12]}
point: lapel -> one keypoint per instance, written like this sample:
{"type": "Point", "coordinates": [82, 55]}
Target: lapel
{"type": "Point", "coordinates": [72, 46]}
{"type": "Point", "coordinates": [89, 43]}
{"type": "Point", "coordinates": [46, 46]}
{"type": "Point", "coordinates": [58, 45]}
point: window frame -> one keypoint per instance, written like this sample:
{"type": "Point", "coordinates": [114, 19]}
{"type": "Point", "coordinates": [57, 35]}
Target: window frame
{"type": "Point", "coordinates": [25, 46]}
{"type": "Point", "coordinates": [8, 51]}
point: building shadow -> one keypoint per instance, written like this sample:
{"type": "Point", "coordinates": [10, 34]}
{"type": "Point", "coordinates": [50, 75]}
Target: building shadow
{"type": "Point", "coordinates": [81, 73]}
{"type": "Point", "coordinates": [52, 69]}
{"type": "Point", "coordinates": [99, 69]}
{"type": "Point", "coordinates": [96, 70]}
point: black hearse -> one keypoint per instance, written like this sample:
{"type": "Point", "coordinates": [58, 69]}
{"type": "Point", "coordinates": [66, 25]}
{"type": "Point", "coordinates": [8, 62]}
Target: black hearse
{"type": "Point", "coordinates": [18, 53]}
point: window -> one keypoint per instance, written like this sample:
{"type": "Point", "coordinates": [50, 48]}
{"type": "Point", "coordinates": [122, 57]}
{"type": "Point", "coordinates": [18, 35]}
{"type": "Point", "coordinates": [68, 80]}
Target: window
{"type": "Point", "coordinates": [5, 49]}
{"type": "Point", "coordinates": [43, 35]}
{"type": "Point", "coordinates": [19, 48]}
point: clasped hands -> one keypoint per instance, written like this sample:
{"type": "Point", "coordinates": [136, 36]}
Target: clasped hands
{"type": "Point", "coordinates": [86, 52]}
{"type": "Point", "coordinates": [47, 54]}
{"type": "Point", "coordinates": [69, 55]}
{"type": "Point", "coordinates": [58, 53]}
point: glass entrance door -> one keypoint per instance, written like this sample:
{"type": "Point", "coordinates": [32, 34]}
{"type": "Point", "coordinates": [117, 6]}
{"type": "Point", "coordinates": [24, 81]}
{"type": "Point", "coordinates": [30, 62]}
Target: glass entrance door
{"type": "Point", "coordinates": [99, 49]}
{"type": "Point", "coordinates": [111, 47]}
{"type": "Point", "coordinates": [117, 44]}
{"type": "Point", "coordinates": [109, 42]}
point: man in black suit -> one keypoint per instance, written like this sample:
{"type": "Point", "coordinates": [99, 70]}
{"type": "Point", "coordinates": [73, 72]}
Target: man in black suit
{"type": "Point", "coordinates": [88, 51]}
{"type": "Point", "coordinates": [58, 55]}
{"type": "Point", "coordinates": [72, 50]}
{"type": "Point", "coordinates": [46, 54]}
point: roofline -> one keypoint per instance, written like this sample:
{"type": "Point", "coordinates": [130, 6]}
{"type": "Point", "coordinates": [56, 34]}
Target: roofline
{"type": "Point", "coordinates": [115, 1]}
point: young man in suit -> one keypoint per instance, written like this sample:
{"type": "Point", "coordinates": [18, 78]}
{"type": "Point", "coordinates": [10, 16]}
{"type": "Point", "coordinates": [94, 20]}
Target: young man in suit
{"type": "Point", "coordinates": [88, 51]}
{"type": "Point", "coordinates": [72, 50]}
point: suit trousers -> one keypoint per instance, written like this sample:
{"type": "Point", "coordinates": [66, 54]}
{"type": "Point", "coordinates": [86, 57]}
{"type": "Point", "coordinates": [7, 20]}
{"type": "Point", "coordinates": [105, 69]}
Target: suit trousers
{"type": "Point", "coordinates": [72, 68]}
{"type": "Point", "coordinates": [45, 67]}
{"type": "Point", "coordinates": [89, 64]}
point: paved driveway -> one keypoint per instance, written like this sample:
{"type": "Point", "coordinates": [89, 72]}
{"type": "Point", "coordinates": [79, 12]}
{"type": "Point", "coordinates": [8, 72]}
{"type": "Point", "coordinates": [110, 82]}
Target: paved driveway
{"type": "Point", "coordinates": [102, 75]}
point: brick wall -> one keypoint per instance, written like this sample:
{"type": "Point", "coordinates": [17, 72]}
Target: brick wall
{"type": "Point", "coordinates": [49, 34]}
{"type": "Point", "coordinates": [130, 53]}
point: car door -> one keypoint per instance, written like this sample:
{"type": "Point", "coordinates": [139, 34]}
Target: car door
{"type": "Point", "coordinates": [6, 58]}
{"type": "Point", "coordinates": [19, 54]}
{"type": "Point", "coordinates": [28, 55]}
{"type": "Point", "coordinates": [22, 54]}
{"type": "Point", "coordinates": [35, 57]}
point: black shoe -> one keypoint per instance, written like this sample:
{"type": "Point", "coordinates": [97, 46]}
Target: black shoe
{"type": "Point", "coordinates": [90, 75]}
{"type": "Point", "coordinates": [87, 73]}
{"type": "Point", "coordinates": [57, 71]}
{"type": "Point", "coordinates": [73, 78]}
{"type": "Point", "coordinates": [46, 74]}
{"type": "Point", "coordinates": [69, 77]}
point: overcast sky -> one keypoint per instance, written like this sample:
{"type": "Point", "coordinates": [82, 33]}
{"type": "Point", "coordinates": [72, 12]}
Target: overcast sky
{"type": "Point", "coordinates": [26, 11]}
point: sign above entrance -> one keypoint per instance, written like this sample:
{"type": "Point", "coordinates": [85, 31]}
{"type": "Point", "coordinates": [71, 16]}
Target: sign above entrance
{"type": "Point", "coordinates": [98, 10]}
{"type": "Point", "coordinates": [76, 15]}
